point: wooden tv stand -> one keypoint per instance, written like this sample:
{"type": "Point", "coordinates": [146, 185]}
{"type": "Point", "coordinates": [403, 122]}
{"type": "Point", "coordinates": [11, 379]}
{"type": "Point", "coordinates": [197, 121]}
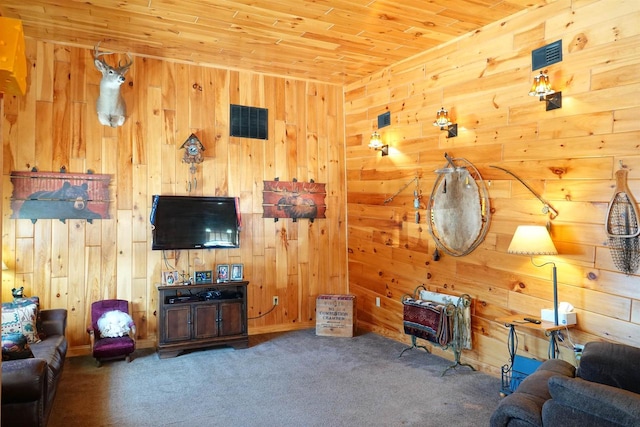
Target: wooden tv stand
{"type": "Point", "coordinates": [188, 321]}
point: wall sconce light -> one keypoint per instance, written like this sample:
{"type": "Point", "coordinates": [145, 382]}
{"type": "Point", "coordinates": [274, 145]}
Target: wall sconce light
{"type": "Point", "coordinates": [4, 266]}
{"type": "Point", "coordinates": [442, 120]}
{"type": "Point", "coordinates": [542, 88]}
{"type": "Point", "coordinates": [376, 143]}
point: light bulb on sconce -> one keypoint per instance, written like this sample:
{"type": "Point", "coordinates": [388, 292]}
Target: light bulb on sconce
{"type": "Point", "coordinates": [542, 88]}
{"type": "Point", "coordinates": [376, 143]}
{"type": "Point", "coordinates": [442, 121]}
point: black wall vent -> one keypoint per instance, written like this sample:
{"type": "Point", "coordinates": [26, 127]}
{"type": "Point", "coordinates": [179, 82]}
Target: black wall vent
{"type": "Point", "coordinates": [249, 122]}
{"type": "Point", "coordinates": [546, 55]}
{"type": "Point", "coordinates": [384, 119]}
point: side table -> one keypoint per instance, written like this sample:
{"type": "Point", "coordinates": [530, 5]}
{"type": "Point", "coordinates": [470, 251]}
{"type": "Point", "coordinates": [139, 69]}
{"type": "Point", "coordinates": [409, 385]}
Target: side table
{"type": "Point", "coordinates": [548, 328]}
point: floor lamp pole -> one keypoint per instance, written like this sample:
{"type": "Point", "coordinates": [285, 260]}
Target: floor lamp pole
{"type": "Point", "coordinates": [555, 295]}
{"type": "Point", "coordinates": [555, 311]}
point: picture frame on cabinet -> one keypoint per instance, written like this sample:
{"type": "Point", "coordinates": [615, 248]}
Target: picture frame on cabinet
{"type": "Point", "coordinates": [170, 278]}
{"type": "Point", "coordinates": [222, 273]}
{"type": "Point", "coordinates": [237, 272]}
{"type": "Point", "coordinates": [203, 276]}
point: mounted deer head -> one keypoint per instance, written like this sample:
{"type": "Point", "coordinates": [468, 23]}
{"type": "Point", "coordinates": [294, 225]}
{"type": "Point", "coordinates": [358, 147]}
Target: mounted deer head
{"type": "Point", "coordinates": [110, 105]}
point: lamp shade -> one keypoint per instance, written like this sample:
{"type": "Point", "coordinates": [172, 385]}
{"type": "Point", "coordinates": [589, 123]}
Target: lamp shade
{"type": "Point", "coordinates": [541, 86]}
{"type": "Point", "coordinates": [442, 118]}
{"type": "Point", "coordinates": [532, 240]}
{"type": "Point", "coordinates": [4, 266]}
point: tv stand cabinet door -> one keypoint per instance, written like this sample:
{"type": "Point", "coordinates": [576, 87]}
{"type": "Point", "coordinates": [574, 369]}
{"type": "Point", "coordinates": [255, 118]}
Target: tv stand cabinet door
{"type": "Point", "coordinates": [177, 323]}
{"type": "Point", "coordinates": [231, 318]}
{"type": "Point", "coordinates": [205, 324]}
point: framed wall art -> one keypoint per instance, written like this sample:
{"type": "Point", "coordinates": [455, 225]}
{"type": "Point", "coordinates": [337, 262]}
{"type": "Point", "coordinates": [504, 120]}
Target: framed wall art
{"type": "Point", "coordinates": [60, 195]}
{"type": "Point", "coordinates": [293, 199]}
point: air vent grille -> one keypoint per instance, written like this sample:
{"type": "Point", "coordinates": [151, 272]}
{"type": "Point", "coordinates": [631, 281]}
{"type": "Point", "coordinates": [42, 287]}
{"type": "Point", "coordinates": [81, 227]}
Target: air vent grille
{"type": "Point", "coordinates": [249, 122]}
{"type": "Point", "coordinates": [546, 55]}
{"type": "Point", "coordinates": [384, 119]}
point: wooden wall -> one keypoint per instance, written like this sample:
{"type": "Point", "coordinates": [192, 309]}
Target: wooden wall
{"type": "Point", "coordinates": [71, 264]}
{"type": "Point", "coordinates": [2, 273]}
{"type": "Point", "coordinates": [568, 155]}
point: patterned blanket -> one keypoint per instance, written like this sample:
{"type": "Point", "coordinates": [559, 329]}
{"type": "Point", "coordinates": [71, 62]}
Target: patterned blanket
{"type": "Point", "coordinates": [427, 320]}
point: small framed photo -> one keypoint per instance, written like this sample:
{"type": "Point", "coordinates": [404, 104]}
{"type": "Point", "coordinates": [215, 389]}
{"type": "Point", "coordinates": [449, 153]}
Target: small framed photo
{"type": "Point", "coordinates": [236, 272]}
{"type": "Point", "coordinates": [204, 276]}
{"type": "Point", "coordinates": [222, 273]}
{"type": "Point", "coordinates": [170, 278]}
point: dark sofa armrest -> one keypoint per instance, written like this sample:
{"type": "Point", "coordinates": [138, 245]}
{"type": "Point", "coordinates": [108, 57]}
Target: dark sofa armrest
{"type": "Point", "coordinates": [54, 321]}
{"type": "Point", "coordinates": [23, 380]}
{"type": "Point", "coordinates": [577, 402]}
{"type": "Point", "coordinates": [524, 406]}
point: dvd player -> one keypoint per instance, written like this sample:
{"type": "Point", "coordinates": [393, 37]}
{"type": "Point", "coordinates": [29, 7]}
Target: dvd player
{"type": "Point", "coordinates": [177, 299]}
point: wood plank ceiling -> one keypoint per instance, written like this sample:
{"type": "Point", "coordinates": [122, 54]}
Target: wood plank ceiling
{"type": "Point", "coordinates": [334, 41]}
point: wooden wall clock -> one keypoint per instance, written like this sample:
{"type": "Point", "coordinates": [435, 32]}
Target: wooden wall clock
{"type": "Point", "coordinates": [193, 149]}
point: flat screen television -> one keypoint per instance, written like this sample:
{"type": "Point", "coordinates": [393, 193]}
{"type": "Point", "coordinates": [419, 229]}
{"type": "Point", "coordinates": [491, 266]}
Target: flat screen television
{"type": "Point", "coordinates": [188, 222]}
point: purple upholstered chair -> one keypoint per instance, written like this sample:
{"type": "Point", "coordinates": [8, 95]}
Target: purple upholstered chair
{"type": "Point", "coordinates": [111, 346]}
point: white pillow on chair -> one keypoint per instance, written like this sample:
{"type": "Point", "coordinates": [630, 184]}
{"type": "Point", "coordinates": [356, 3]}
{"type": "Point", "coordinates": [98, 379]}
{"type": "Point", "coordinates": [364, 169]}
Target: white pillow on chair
{"type": "Point", "coordinates": [114, 324]}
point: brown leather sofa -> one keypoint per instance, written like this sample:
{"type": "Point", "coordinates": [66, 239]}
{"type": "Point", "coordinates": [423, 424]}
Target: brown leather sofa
{"type": "Point", "coordinates": [29, 385]}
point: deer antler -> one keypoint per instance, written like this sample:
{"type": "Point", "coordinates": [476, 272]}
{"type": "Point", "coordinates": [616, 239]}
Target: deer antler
{"type": "Point", "coordinates": [124, 68]}
{"type": "Point", "coordinates": [97, 54]}
{"type": "Point", "coordinates": [121, 68]}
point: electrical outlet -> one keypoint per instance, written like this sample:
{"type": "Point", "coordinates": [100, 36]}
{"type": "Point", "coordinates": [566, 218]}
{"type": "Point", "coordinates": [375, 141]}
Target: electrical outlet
{"type": "Point", "coordinates": [275, 300]}
{"type": "Point", "coordinates": [577, 351]}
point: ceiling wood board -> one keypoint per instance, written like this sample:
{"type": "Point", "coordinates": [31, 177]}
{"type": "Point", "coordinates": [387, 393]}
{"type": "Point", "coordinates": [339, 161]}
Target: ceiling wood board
{"type": "Point", "coordinates": [332, 41]}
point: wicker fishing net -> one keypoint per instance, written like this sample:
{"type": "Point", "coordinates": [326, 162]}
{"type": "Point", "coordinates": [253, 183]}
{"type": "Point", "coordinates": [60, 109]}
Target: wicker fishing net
{"type": "Point", "coordinates": [624, 238]}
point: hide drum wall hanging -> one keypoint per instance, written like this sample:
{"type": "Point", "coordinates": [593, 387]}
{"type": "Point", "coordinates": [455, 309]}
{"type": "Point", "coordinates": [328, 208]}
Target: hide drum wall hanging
{"type": "Point", "coordinates": [293, 199]}
{"type": "Point", "coordinates": [458, 208]}
{"type": "Point", "coordinates": [53, 195]}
